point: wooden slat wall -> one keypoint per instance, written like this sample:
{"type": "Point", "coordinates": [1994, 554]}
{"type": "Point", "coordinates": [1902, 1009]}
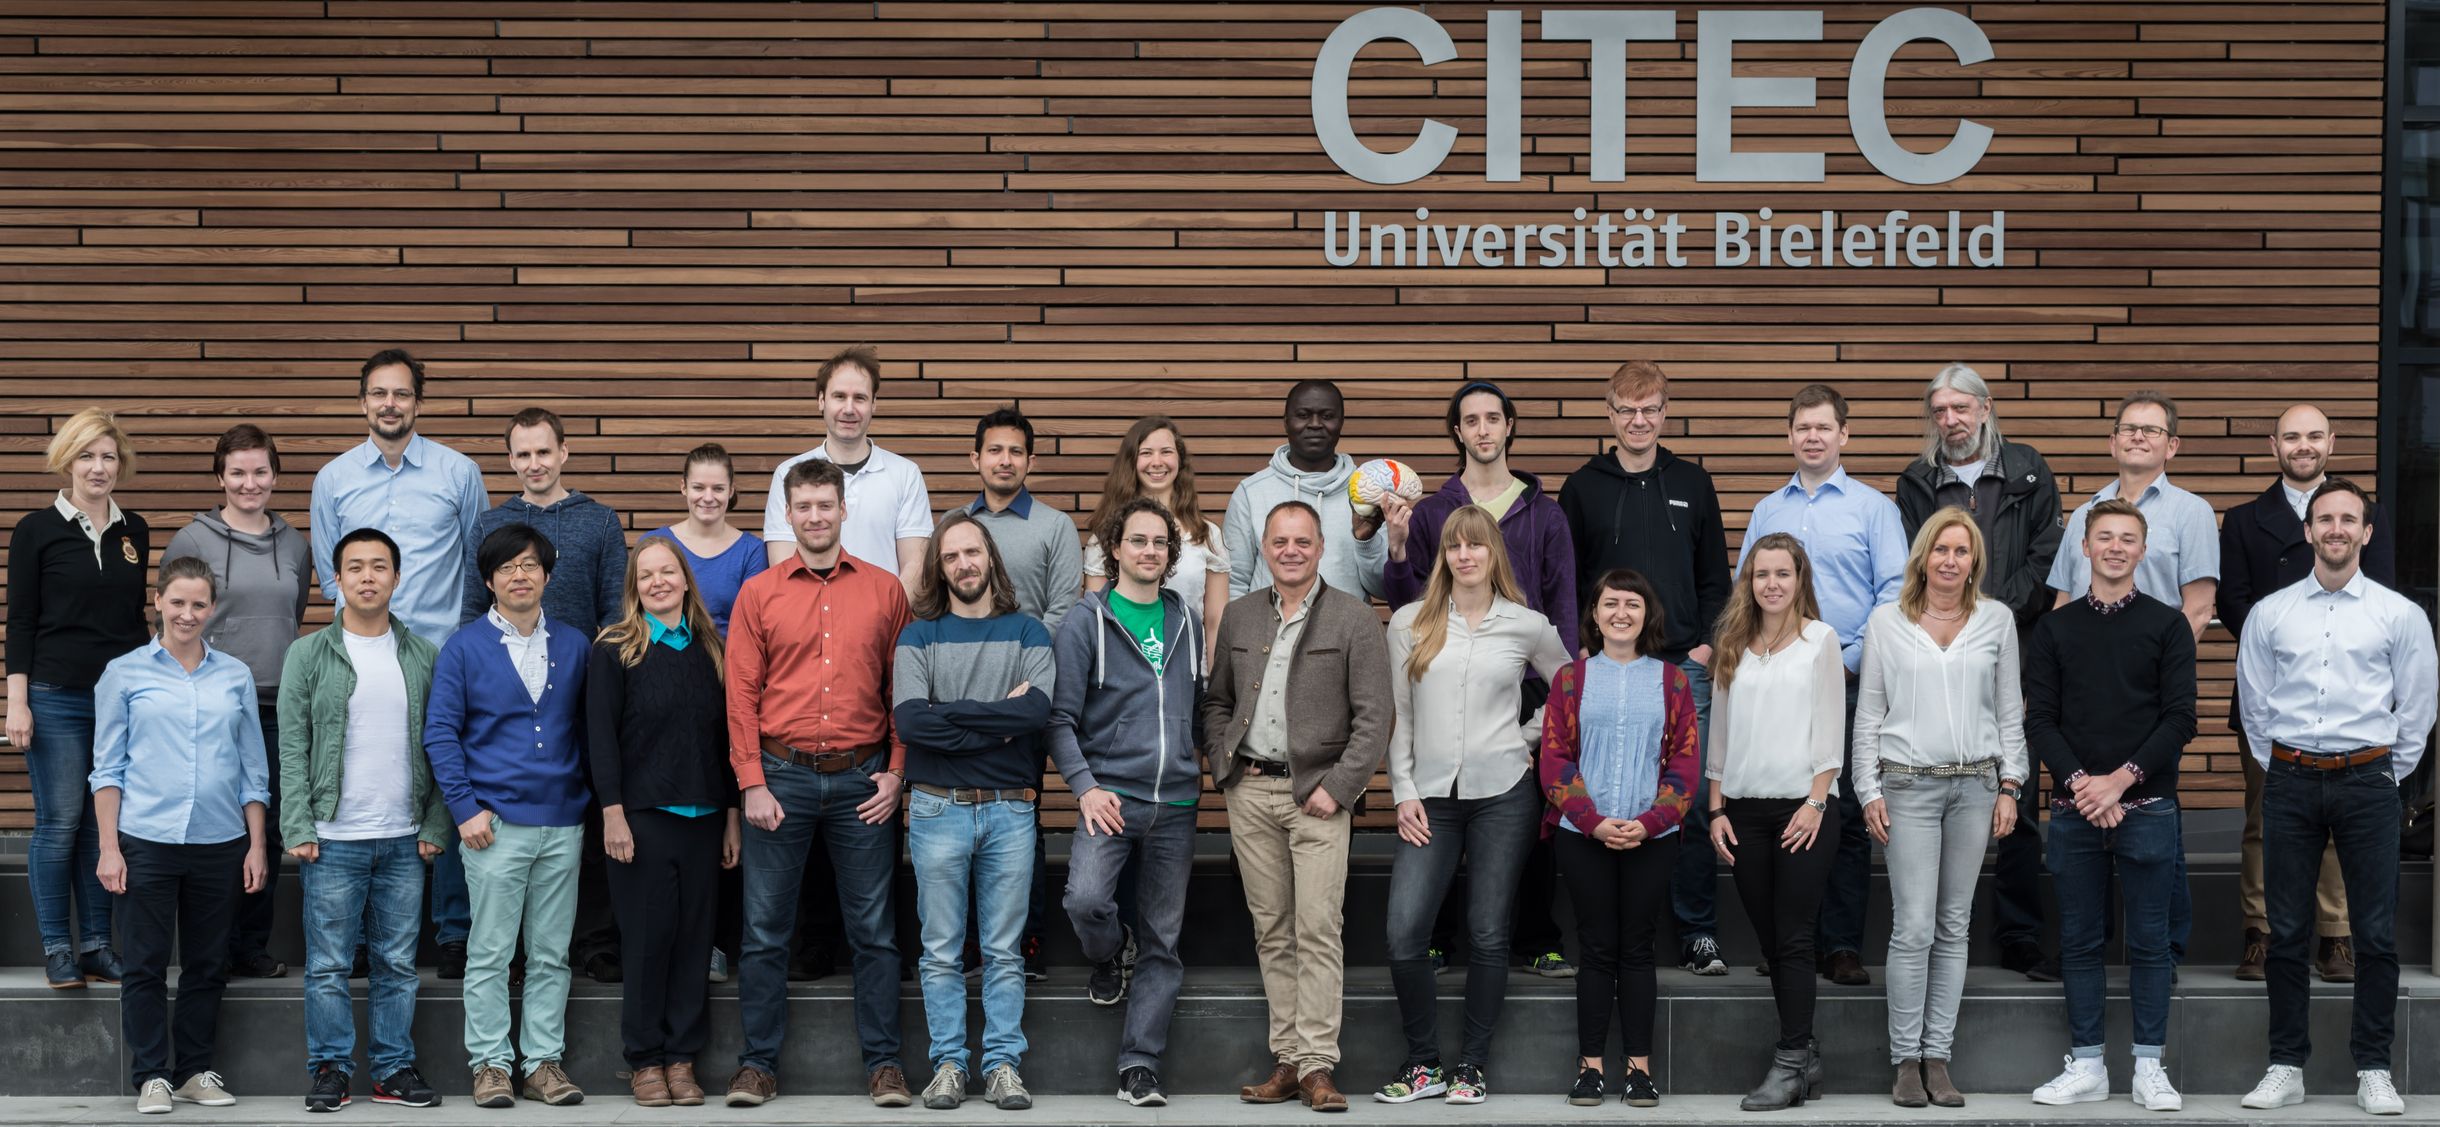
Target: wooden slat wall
{"type": "Point", "coordinates": [656, 217]}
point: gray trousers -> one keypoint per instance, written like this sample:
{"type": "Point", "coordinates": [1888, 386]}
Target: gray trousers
{"type": "Point", "coordinates": [1938, 829]}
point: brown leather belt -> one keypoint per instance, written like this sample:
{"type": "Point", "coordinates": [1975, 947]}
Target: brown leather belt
{"type": "Point", "coordinates": [976, 796]}
{"type": "Point", "coordinates": [2339, 762]}
{"type": "Point", "coordinates": [826, 762]}
{"type": "Point", "coordinates": [1262, 768]}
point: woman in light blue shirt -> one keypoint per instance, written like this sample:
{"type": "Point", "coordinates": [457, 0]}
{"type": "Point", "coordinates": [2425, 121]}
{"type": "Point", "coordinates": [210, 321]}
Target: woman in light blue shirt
{"type": "Point", "coordinates": [182, 831]}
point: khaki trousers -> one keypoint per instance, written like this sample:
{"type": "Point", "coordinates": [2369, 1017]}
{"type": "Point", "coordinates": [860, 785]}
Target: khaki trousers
{"type": "Point", "coordinates": [1294, 867]}
{"type": "Point", "coordinates": [2329, 896]}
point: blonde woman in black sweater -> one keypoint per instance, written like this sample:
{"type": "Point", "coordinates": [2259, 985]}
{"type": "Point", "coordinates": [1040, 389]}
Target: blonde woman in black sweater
{"type": "Point", "coordinates": [658, 722]}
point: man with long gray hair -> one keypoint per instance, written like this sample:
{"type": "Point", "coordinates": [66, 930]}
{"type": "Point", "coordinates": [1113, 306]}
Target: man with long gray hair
{"type": "Point", "coordinates": [2015, 501]}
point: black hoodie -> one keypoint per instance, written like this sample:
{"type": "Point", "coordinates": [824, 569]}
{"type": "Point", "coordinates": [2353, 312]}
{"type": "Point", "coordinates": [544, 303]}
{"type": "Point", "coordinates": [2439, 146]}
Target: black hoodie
{"type": "Point", "coordinates": [1665, 523]}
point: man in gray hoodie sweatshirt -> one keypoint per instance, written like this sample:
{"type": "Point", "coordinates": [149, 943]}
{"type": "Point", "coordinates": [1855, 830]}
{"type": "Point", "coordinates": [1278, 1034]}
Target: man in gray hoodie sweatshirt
{"type": "Point", "coordinates": [1122, 732]}
{"type": "Point", "coordinates": [1307, 468]}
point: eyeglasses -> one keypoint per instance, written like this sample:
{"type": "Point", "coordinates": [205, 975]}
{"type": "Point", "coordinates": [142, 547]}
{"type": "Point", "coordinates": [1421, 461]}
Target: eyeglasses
{"type": "Point", "coordinates": [1653, 412]}
{"type": "Point", "coordinates": [1139, 543]}
{"type": "Point", "coordinates": [2130, 430]}
{"type": "Point", "coordinates": [518, 567]}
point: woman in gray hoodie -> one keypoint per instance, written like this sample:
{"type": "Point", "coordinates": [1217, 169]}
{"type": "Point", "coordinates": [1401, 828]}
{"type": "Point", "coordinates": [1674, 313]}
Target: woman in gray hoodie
{"type": "Point", "coordinates": [262, 568]}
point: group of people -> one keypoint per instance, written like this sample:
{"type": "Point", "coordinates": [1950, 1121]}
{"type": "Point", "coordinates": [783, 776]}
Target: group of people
{"type": "Point", "coordinates": [607, 749]}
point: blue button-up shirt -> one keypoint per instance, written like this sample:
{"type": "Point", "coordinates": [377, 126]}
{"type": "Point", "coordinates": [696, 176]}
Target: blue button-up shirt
{"type": "Point", "coordinates": [2181, 543]}
{"type": "Point", "coordinates": [428, 504]}
{"type": "Point", "coordinates": [1858, 549]}
{"type": "Point", "coordinates": [184, 749]}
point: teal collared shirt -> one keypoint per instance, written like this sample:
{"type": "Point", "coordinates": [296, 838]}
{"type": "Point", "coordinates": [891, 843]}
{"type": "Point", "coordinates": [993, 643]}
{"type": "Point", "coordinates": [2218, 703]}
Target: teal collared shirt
{"type": "Point", "coordinates": [676, 638]}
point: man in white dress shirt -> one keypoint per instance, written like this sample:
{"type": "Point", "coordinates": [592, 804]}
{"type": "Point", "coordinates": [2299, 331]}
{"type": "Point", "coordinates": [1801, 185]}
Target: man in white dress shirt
{"type": "Point", "coordinates": [889, 511]}
{"type": "Point", "coordinates": [2335, 677]}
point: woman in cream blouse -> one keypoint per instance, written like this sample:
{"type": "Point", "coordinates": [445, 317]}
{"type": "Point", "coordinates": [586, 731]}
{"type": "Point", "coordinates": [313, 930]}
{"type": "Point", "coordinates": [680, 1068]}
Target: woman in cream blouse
{"type": "Point", "coordinates": [1778, 741]}
{"type": "Point", "coordinates": [1462, 770]}
{"type": "Point", "coordinates": [1939, 767]}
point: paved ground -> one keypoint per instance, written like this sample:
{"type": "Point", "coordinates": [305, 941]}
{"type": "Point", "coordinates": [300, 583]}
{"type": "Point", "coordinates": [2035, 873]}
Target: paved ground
{"type": "Point", "coordinates": [1222, 1111]}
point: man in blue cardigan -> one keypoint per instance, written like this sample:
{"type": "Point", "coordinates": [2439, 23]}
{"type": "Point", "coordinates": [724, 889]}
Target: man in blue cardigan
{"type": "Point", "coordinates": [504, 731]}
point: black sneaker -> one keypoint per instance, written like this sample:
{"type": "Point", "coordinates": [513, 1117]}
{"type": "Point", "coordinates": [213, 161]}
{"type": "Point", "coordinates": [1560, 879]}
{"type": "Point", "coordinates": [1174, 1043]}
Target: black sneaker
{"type": "Point", "coordinates": [330, 1084]}
{"type": "Point", "coordinates": [100, 965]}
{"type": "Point", "coordinates": [406, 1088]}
{"type": "Point", "coordinates": [1032, 950]}
{"type": "Point", "coordinates": [1126, 950]}
{"type": "Point", "coordinates": [1702, 956]}
{"type": "Point", "coordinates": [1588, 1089]}
{"type": "Point", "coordinates": [61, 972]}
{"type": "Point", "coordinates": [1639, 1090]}
{"type": "Point", "coordinates": [363, 966]}
{"type": "Point", "coordinates": [604, 968]}
{"type": "Point", "coordinates": [452, 960]}
{"type": "Point", "coordinates": [1138, 1086]}
{"type": "Point", "coordinates": [1107, 986]}
{"type": "Point", "coordinates": [258, 965]}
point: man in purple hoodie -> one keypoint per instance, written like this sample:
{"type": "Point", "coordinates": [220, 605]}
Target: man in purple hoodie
{"type": "Point", "coordinates": [1483, 424]}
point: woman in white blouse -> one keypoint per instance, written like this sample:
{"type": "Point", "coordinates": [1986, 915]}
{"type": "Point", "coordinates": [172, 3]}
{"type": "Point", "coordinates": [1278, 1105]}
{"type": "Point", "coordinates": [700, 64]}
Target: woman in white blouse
{"type": "Point", "coordinates": [1778, 740]}
{"type": "Point", "coordinates": [1939, 768]}
{"type": "Point", "coordinates": [1152, 461]}
{"type": "Point", "coordinates": [1462, 770]}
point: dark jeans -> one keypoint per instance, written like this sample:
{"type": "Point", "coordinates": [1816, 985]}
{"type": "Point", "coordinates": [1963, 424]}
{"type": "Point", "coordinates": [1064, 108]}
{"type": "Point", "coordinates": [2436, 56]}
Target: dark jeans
{"type": "Point", "coordinates": [252, 934]}
{"type": "Point", "coordinates": [1849, 893]}
{"type": "Point", "coordinates": [1782, 894]}
{"type": "Point", "coordinates": [452, 910]}
{"type": "Point", "coordinates": [66, 847]}
{"type": "Point", "coordinates": [2303, 810]}
{"type": "Point", "coordinates": [1694, 890]}
{"type": "Point", "coordinates": [1533, 929]}
{"type": "Point", "coordinates": [189, 892]}
{"type": "Point", "coordinates": [865, 858]}
{"type": "Point", "coordinates": [1492, 835]}
{"type": "Point", "coordinates": [1160, 840]}
{"type": "Point", "coordinates": [1619, 895]}
{"type": "Point", "coordinates": [2141, 853]}
{"type": "Point", "coordinates": [597, 916]}
{"type": "Point", "coordinates": [664, 900]}
{"type": "Point", "coordinates": [2016, 877]}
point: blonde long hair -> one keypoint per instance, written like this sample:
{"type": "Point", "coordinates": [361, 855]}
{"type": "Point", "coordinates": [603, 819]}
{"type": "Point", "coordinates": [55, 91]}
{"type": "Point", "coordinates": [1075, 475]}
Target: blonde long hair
{"type": "Point", "coordinates": [1742, 618]}
{"type": "Point", "coordinates": [1472, 524]}
{"type": "Point", "coordinates": [631, 633]}
{"type": "Point", "coordinates": [1913, 597]}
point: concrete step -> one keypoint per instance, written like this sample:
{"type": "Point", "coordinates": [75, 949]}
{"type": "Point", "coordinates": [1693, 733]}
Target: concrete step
{"type": "Point", "coordinates": [1713, 1035]}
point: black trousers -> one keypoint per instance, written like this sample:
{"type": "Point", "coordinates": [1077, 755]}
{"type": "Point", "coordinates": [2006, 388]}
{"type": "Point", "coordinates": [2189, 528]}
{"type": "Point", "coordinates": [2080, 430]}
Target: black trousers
{"type": "Point", "coordinates": [597, 923]}
{"type": "Point", "coordinates": [254, 910]}
{"type": "Point", "coordinates": [1620, 897]}
{"type": "Point", "coordinates": [2305, 809]}
{"type": "Point", "coordinates": [1782, 894]}
{"type": "Point", "coordinates": [189, 892]}
{"type": "Point", "coordinates": [664, 898]}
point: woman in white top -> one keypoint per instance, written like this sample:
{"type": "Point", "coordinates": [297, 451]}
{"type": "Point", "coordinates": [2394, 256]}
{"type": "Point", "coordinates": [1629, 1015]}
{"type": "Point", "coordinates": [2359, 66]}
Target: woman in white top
{"type": "Point", "coordinates": [1152, 461]}
{"type": "Point", "coordinates": [1462, 770]}
{"type": "Point", "coordinates": [1778, 741]}
{"type": "Point", "coordinates": [1939, 767]}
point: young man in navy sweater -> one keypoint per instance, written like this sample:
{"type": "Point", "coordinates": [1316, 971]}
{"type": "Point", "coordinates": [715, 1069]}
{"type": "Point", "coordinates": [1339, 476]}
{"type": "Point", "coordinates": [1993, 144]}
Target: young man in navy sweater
{"type": "Point", "coordinates": [505, 733]}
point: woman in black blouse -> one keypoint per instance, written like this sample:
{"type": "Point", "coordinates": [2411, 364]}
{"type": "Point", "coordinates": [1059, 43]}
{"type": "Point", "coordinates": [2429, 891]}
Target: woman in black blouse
{"type": "Point", "coordinates": [76, 600]}
{"type": "Point", "coordinates": [658, 722]}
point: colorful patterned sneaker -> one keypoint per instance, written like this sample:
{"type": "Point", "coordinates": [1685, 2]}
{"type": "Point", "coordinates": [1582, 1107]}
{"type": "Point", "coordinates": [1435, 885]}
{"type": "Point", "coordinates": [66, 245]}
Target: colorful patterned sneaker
{"type": "Point", "coordinates": [1440, 961]}
{"type": "Point", "coordinates": [1415, 1082]}
{"type": "Point", "coordinates": [1551, 964]}
{"type": "Point", "coordinates": [1466, 1085]}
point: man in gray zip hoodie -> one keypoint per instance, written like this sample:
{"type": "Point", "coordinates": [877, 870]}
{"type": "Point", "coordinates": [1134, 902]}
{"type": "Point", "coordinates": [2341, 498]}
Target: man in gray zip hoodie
{"type": "Point", "coordinates": [1122, 728]}
{"type": "Point", "coordinates": [1307, 468]}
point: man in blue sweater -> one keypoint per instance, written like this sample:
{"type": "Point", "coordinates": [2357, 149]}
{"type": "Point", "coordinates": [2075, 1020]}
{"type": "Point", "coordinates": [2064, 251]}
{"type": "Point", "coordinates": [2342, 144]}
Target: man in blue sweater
{"type": "Point", "coordinates": [505, 733]}
{"type": "Point", "coordinates": [971, 689]}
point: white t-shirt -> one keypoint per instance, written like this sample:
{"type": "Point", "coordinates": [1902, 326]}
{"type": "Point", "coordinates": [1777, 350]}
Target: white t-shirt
{"type": "Point", "coordinates": [1195, 563]}
{"type": "Point", "coordinates": [375, 793]}
{"type": "Point", "coordinates": [1969, 473]}
{"type": "Point", "coordinates": [886, 503]}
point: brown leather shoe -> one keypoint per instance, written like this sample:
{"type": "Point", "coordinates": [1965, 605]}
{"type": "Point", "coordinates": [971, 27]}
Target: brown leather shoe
{"type": "Point", "coordinates": [1938, 1086]}
{"type": "Point", "coordinates": [2257, 952]}
{"type": "Point", "coordinates": [1320, 1092]}
{"type": "Point", "coordinates": [548, 1083]}
{"type": "Point", "coordinates": [2337, 959]}
{"type": "Point", "coordinates": [492, 1089]}
{"type": "Point", "coordinates": [684, 1089]}
{"type": "Point", "coordinates": [1845, 969]}
{"type": "Point", "coordinates": [888, 1087]}
{"type": "Point", "coordinates": [1278, 1088]}
{"type": "Point", "coordinates": [650, 1085]}
{"type": "Point", "coordinates": [752, 1087]}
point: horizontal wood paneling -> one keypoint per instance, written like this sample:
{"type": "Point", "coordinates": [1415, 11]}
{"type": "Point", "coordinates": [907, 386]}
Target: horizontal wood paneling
{"type": "Point", "coordinates": [655, 218]}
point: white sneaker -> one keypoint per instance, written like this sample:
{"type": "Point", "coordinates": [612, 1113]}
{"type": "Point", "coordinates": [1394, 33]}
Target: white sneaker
{"type": "Point", "coordinates": [206, 1088]}
{"type": "Point", "coordinates": [2152, 1087]}
{"type": "Point", "coordinates": [2086, 1080]}
{"type": "Point", "coordinates": [2281, 1086]}
{"type": "Point", "coordinates": [154, 1098]}
{"type": "Point", "coordinates": [2376, 1093]}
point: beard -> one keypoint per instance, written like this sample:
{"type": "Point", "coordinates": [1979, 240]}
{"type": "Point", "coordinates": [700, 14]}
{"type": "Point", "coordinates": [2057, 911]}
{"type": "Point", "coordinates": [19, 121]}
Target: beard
{"type": "Point", "coordinates": [1965, 451]}
{"type": "Point", "coordinates": [971, 591]}
{"type": "Point", "coordinates": [2300, 469]}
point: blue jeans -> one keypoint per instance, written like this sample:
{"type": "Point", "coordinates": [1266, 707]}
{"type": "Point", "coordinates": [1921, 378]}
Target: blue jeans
{"type": "Point", "coordinates": [452, 912]}
{"type": "Point", "coordinates": [1162, 840]}
{"type": "Point", "coordinates": [865, 858]}
{"type": "Point", "coordinates": [373, 890]}
{"type": "Point", "coordinates": [1695, 888]}
{"type": "Point", "coordinates": [1840, 927]}
{"type": "Point", "coordinates": [2304, 809]}
{"type": "Point", "coordinates": [984, 849]}
{"type": "Point", "coordinates": [1492, 835]}
{"type": "Point", "coordinates": [67, 845]}
{"type": "Point", "coordinates": [2143, 851]}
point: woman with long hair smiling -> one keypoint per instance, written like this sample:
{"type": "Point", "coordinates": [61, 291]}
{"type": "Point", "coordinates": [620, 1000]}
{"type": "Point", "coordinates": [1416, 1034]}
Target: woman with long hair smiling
{"type": "Point", "coordinates": [1778, 739]}
{"type": "Point", "coordinates": [1152, 461]}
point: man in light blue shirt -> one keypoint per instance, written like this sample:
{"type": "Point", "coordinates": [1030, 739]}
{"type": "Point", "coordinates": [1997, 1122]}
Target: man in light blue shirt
{"type": "Point", "coordinates": [179, 785]}
{"type": "Point", "coordinates": [422, 494]}
{"type": "Point", "coordinates": [1857, 546]}
{"type": "Point", "coordinates": [2181, 559]}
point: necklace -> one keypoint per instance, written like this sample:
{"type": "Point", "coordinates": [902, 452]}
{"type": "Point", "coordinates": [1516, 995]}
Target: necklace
{"type": "Point", "coordinates": [1773, 646]}
{"type": "Point", "coordinates": [1928, 612]}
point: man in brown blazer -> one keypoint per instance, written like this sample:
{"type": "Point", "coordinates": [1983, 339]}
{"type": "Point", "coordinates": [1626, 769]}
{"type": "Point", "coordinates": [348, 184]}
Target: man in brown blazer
{"type": "Point", "coordinates": [1295, 719]}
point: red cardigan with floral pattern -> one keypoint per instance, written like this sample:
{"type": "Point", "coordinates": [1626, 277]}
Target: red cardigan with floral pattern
{"type": "Point", "coordinates": [1563, 783]}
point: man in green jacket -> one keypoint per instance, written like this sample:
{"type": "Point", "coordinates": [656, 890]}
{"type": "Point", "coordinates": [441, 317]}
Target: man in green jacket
{"type": "Point", "coordinates": [361, 815]}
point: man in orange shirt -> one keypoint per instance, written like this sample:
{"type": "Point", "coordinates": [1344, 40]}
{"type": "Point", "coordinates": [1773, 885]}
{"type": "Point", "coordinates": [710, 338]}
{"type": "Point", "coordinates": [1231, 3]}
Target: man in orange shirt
{"type": "Point", "coordinates": [809, 654]}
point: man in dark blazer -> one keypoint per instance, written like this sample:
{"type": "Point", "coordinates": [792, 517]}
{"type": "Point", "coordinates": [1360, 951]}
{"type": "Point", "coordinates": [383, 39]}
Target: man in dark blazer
{"type": "Point", "coordinates": [1295, 719]}
{"type": "Point", "coordinates": [2262, 549]}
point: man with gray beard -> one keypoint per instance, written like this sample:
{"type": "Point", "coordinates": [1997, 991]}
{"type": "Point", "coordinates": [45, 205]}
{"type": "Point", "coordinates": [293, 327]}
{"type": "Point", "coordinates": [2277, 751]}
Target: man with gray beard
{"type": "Point", "coordinates": [2015, 501]}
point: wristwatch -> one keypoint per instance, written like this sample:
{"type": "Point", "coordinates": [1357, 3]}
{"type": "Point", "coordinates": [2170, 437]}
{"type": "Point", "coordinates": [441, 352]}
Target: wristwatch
{"type": "Point", "coordinates": [2013, 791]}
{"type": "Point", "coordinates": [1819, 806]}
{"type": "Point", "coordinates": [1717, 812]}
